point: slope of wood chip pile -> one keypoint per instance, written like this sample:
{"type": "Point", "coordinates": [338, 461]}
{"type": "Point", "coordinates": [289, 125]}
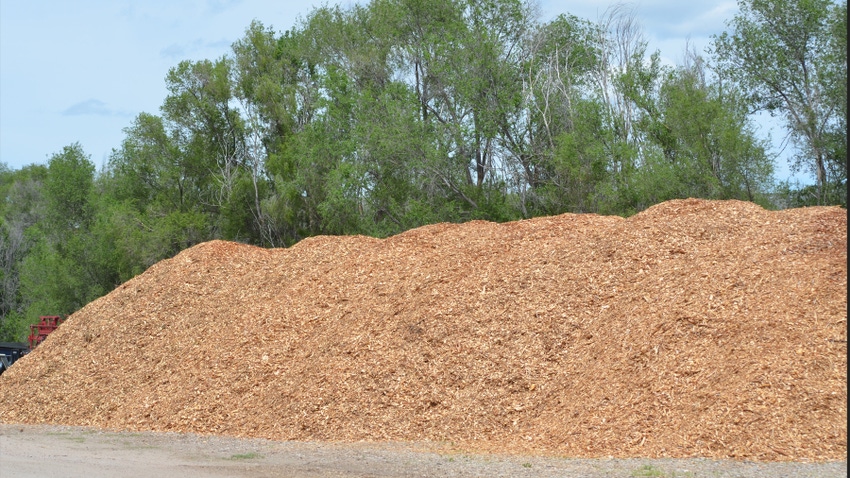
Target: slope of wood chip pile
{"type": "Point", "coordinates": [695, 328]}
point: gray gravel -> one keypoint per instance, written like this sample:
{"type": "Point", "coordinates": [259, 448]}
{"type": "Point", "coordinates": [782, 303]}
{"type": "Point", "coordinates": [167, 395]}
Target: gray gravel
{"type": "Point", "coordinates": [52, 451]}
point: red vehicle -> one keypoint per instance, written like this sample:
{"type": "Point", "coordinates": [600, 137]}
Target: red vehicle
{"type": "Point", "coordinates": [40, 331]}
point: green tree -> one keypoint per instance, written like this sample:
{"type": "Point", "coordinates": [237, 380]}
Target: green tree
{"type": "Point", "coordinates": [67, 186]}
{"type": "Point", "coordinates": [266, 84]}
{"type": "Point", "coordinates": [21, 208]}
{"type": "Point", "coordinates": [705, 127]}
{"type": "Point", "coordinates": [790, 55]}
{"type": "Point", "coordinates": [556, 142]}
{"type": "Point", "coordinates": [60, 273]}
{"type": "Point", "coordinates": [160, 189]}
{"type": "Point", "coordinates": [208, 129]}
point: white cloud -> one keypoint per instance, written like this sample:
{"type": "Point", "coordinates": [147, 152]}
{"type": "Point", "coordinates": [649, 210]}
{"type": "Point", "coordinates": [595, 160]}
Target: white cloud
{"type": "Point", "coordinates": [691, 20]}
{"type": "Point", "coordinates": [218, 6]}
{"type": "Point", "coordinates": [184, 50]}
{"type": "Point", "coordinates": [92, 107]}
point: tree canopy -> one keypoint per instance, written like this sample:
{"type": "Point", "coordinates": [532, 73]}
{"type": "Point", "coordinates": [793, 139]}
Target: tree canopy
{"type": "Point", "coordinates": [790, 56]}
{"type": "Point", "coordinates": [377, 118]}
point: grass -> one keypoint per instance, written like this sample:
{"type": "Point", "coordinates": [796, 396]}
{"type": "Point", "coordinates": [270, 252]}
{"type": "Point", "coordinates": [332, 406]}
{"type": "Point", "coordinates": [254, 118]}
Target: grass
{"type": "Point", "coordinates": [131, 445]}
{"type": "Point", "coordinates": [246, 456]}
{"type": "Point", "coordinates": [651, 471]}
{"type": "Point", "coordinates": [647, 470]}
{"type": "Point", "coordinates": [67, 436]}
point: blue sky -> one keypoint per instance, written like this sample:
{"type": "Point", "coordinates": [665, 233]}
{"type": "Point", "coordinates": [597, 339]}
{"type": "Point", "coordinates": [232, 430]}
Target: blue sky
{"type": "Point", "coordinates": [81, 71]}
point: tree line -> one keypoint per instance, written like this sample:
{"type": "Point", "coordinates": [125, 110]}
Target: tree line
{"type": "Point", "coordinates": [374, 119]}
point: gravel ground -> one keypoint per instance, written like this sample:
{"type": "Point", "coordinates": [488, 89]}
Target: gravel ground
{"type": "Point", "coordinates": [53, 451]}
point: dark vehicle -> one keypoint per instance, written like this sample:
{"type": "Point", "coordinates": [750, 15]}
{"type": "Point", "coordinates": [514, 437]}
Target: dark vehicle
{"type": "Point", "coordinates": [12, 351]}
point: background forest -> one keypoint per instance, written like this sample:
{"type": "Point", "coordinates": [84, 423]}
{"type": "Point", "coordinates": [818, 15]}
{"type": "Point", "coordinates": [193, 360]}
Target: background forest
{"type": "Point", "coordinates": [379, 118]}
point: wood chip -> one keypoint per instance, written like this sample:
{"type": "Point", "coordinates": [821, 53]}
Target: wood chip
{"type": "Point", "coordinates": [695, 328]}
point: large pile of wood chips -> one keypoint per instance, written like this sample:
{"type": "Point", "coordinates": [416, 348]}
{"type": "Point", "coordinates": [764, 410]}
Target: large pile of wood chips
{"type": "Point", "coordinates": [695, 328]}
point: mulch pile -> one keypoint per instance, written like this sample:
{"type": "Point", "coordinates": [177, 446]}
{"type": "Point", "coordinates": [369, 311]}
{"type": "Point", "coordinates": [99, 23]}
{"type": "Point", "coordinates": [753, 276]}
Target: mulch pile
{"type": "Point", "coordinates": [695, 328]}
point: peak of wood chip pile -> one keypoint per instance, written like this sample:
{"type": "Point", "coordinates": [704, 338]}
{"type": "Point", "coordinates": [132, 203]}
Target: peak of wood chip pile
{"type": "Point", "coordinates": [695, 328]}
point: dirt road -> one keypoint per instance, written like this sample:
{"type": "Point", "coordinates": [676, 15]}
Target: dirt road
{"type": "Point", "coordinates": [50, 451]}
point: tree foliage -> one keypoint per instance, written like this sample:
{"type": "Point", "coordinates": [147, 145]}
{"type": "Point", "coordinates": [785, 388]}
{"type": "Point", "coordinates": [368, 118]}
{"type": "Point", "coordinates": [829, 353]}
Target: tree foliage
{"type": "Point", "coordinates": [791, 58]}
{"type": "Point", "coordinates": [377, 118]}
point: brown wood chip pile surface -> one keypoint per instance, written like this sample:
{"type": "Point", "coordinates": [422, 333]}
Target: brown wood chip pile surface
{"type": "Point", "coordinates": [695, 328]}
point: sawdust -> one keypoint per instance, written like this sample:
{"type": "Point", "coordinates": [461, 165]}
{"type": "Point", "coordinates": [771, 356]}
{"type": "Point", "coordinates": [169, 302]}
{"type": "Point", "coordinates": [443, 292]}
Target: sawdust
{"type": "Point", "coordinates": [695, 328]}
